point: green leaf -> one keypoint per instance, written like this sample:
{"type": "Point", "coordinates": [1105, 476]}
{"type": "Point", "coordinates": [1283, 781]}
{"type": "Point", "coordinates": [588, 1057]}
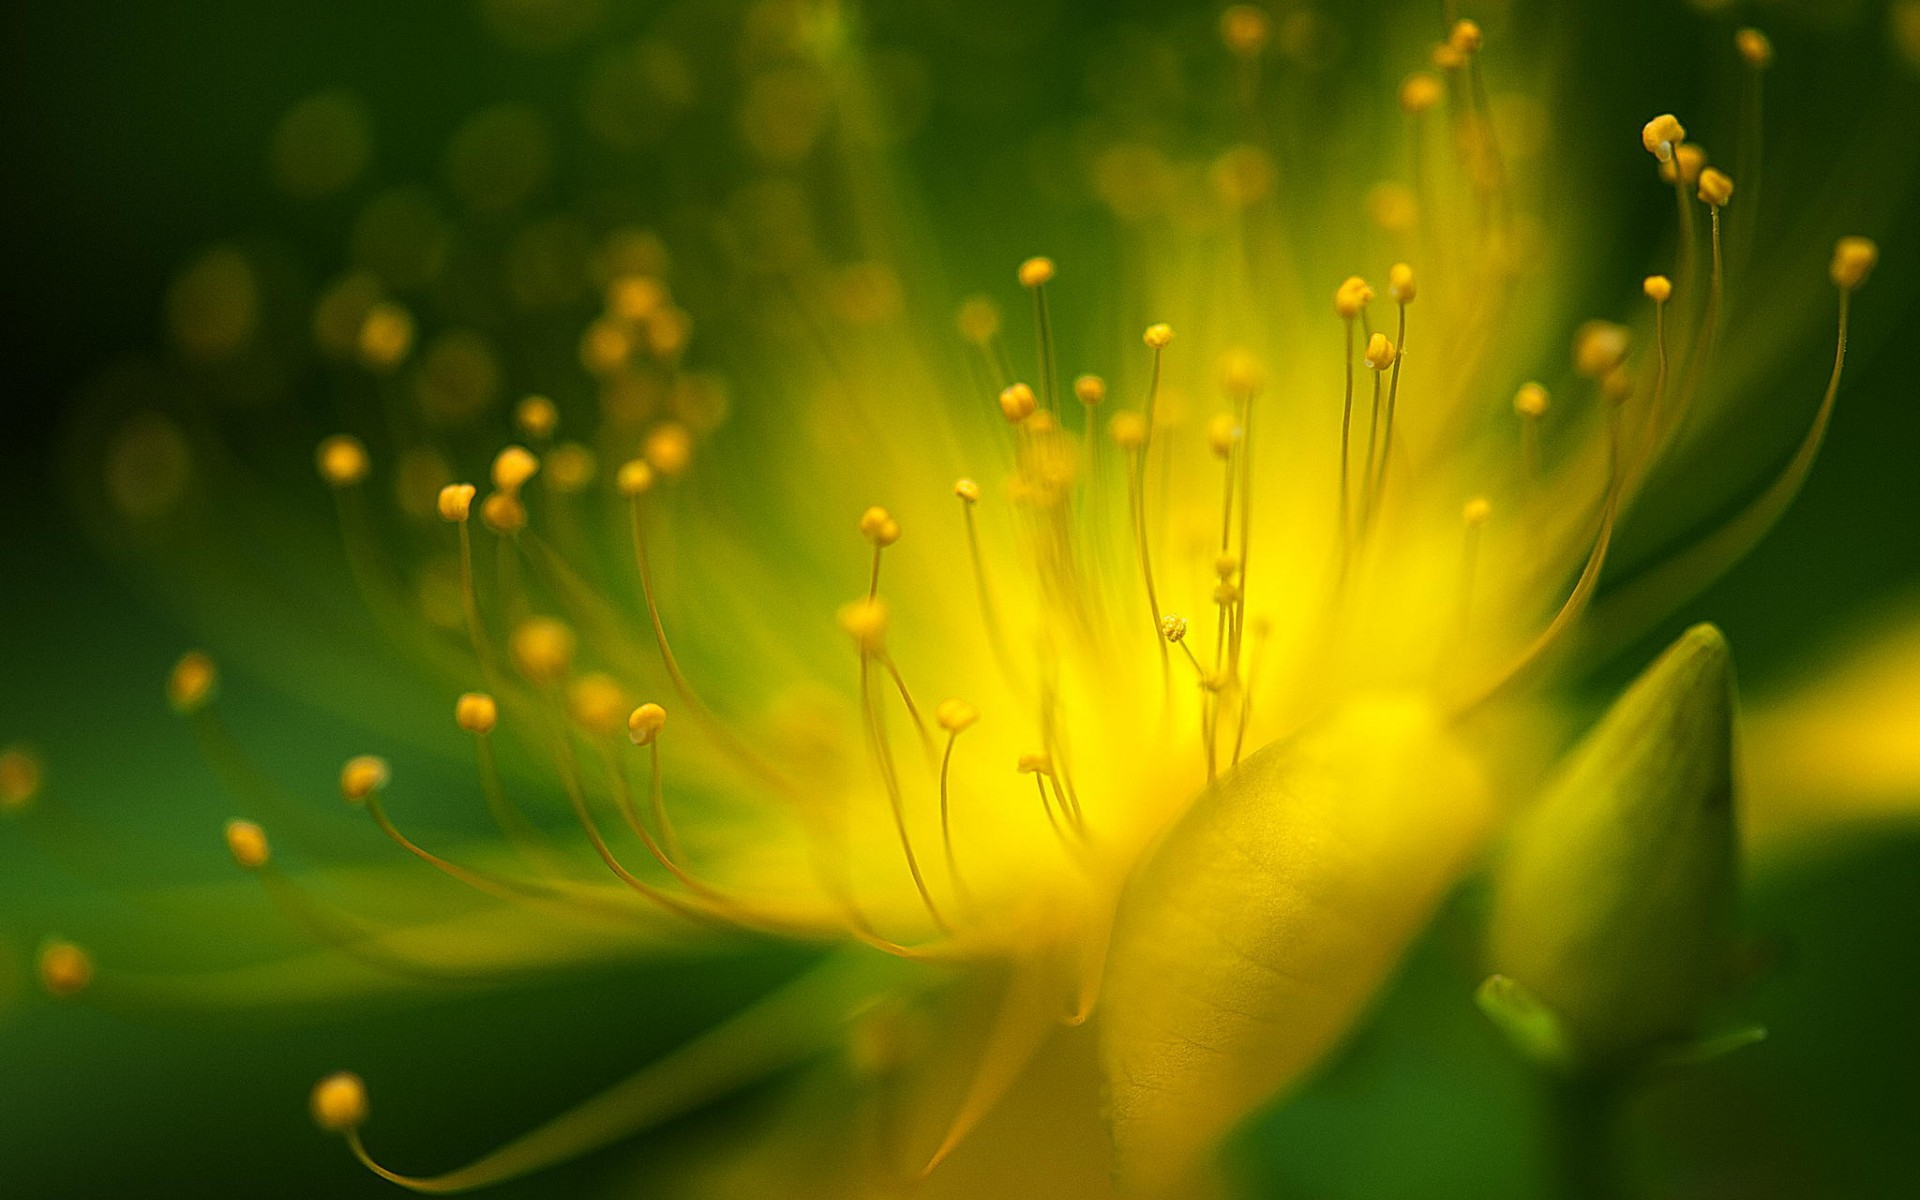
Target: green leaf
{"type": "Point", "coordinates": [1535, 1030]}
{"type": "Point", "coordinates": [1251, 940]}
{"type": "Point", "coordinates": [1614, 901]}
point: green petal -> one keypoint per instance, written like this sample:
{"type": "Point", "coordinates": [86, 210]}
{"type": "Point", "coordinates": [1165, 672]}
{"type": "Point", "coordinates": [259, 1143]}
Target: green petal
{"type": "Point", "coordinates": [1250, 941]}
{"type": "Point", "coordinates": [1614, 902]}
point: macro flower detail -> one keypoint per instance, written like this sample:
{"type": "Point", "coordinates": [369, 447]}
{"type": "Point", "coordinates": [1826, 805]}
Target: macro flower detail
{"type": "Point", "coordinates": [1087, 691]}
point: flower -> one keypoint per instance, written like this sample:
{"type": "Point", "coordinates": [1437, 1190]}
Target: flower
{"type": "Point", "coordinates": [1180, 723]}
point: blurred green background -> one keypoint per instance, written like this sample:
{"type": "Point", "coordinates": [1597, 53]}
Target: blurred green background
{"type": "Point", "coordinates": [137, 135]}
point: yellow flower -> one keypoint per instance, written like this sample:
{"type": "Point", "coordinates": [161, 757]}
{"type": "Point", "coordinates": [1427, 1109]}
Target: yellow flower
{"type": "Point", "coordinates": [1178, 719]}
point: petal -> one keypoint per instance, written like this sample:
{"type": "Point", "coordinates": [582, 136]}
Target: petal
{"type": "Point", "coordinates": [1251, 940]}
{"type": "Point", "coordinates": [1841, 749]}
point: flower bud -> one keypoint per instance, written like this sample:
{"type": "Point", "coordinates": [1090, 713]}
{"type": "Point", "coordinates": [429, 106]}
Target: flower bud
{"type": "Point", "coordinates": [1614, 903]}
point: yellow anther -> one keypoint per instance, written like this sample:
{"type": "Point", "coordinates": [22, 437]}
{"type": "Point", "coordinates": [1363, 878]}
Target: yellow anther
{"type": "Point", "coordinates": [1531, 400]}
{"type": "Point", "coordinates": [1042, 423]}
{"type": "Point", "coordinates": [878, 526]}
{"type": "Point", "coordinates": [65, 969]}
{"type": "Point", "coordinates": [1128, 430]}
{"type": "Point", "coordinates": [667, 332]}
{"type": "Point", "coordinates": [1090, 390]}
{"type": "Point", "coordinates": [865, 621]}
{"type": "Point", "coordinates": [1853, 260]}
{"type": "Point", "coordinates": [1222, 432]}
{"type": "Point", "coordinates": [636, 297]}
{"type": "Point", "coordinates": [978, 320]}
{"type": "Point", "coordinates": [1225, 567]}
{"type": "Point", "coordinates": [339, 1102]}
{"type": "Point", "coordinates": [1617, 385]}
{"type": "Point", "coordinates": [1036, 272]}
{"type": "Point", "coordinates": [1034, 764]}
{"type": "Point", "coordinates": [597, 704]}
{"type": "Point", "coordinates": [476, 712]}
{"type": "Point", "coordinates": [363, 776]}
{"type": "Point", "coordinates": [541, 649]}
{"type": "Point", "coordinates": [570, 467]}
{"type": "Point", "coordinates": [342, 460]}
{"type": "Point", "coordinates": [1017, 403]}
{"type": "Point", "coordinates": [1173, 628]}
{"type": "Point", "coordinates": [669, 449]}
{"type": "Point", "coordinates": [192, 682]}
{"type": "Point", "coordinates": [967, 490]}
{"type": "Point", "coordinates": [512, 467]}
{"type": "Point", "coordinates": [1245, 29]}
{"type": "Point", "coordinates": [1351, 298]}
{"type": "Point", "coordinates": [386, 334]}
{"type": "Point", "coordinates": [1158, 336]}
{"type": "Point", "coordinates": [1599, 347]}
{"type": "Point", "coordinates": [1445, 58]}
{"type": "Point", "coordinates": [1241, 373]}
{"type": "Point", "coordinates": [1465, 37]}
{"type": "Point", "coordinates": [1419, 92]}
{"type": "Point", "coordinates": [503, 513]}
{"type": "Point", "coordinates": [1226, 592]}
{"type": "Point", "coordinates": [536, 417]}
{"type": "Point", "coordinates": [1380, 352]}
{"type": "Point", "coordinates": [247, 842]}
{"type": "Point", "coordinates": [1755, 48]}
{"type": "Point", "coordinates": [456, 501]}
{"type": "Point", "coordinates": [1401, 287]}
{"type": "Point", "coordinates": [1661, 135]}
{"type": "Point", "coordinates": [955, 715]}
{"type": "Point", "coordinates": [634, 478]}
{"type": "Point", "coordinates": [1716, 187]}
{"type": "Point", "coordinates": [645, 723]}
{"type": "Point", "coordinates": [20, 776]}
{"type": "Point", "coordinates": [1476, 511]}
{"type": "Point", "coordinates": [1688, 161]}
{"type": "Point", "coordinates": [1658, 288]}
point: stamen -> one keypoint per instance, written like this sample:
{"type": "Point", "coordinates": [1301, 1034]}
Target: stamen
{"type": "Point", "coordinates": [1017, 403]}
{"type": "Point", "coordinates": [1715, 191]}
{"type": "Point", "coordinates": [789, 1027]}
{"type": "Point", "coordinates": [1381, 355]}
{"type": "Point", "coordinates": [1756, 53]}
{"type": "Point", "coordinates": [247, 842]}
{"type": "Point", "coordinates": [1474, 513]}
{"type": "Point", "coordinates": [1680, 576]}
{"type": "Point", "coordinates": [342, 461]}
{"type": "Point", "coordinates": [456, 504]}
{"type": "Point", "coordinates": [865, 621]}
{"type": "Point", "coordinates": [1157, 337]}
{"type": "Point", "coordinates": [1530, 403]}
{"type": "Point", "coordinates": [956, 717]}
{"type": "Point", "coordinates": [537, 417]}
{"type": "Point", "coordinates": [635, 480]}
{"type": "Point", "coordinates": [65, 969]}
{"type": "Point", "coordinates": [1659, 289]}
{"type": "Point", "coordinates": [1350, 301]}
{"type": "Point", "coordinates": [339, 1103]}
{"type": "Point", "coordinates": [1039, 766]}
{"type": "Point", "coordinates": [20, 778]}
{"type": "Point", "coordinates": [643, 729]}
{"type": "Point", "coordinates": [1035, 274]}
{"type": "Point", "coordinates": [1663, 137]}
{"type": "Point", "coordinates": [513, 467]}
{"type": "Point", "coordinates": [1402, 288]}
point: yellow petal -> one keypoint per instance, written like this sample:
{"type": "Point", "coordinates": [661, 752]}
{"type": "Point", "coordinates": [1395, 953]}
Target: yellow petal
{"type": "Point", "coordinates": [1842, 749]}
{"type": "Point", "coordinates": [1250, 941]}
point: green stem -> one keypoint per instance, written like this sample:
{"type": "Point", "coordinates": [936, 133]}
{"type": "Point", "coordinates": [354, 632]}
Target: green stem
{"type": "Point", "coordinates": [1583, 1111]}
